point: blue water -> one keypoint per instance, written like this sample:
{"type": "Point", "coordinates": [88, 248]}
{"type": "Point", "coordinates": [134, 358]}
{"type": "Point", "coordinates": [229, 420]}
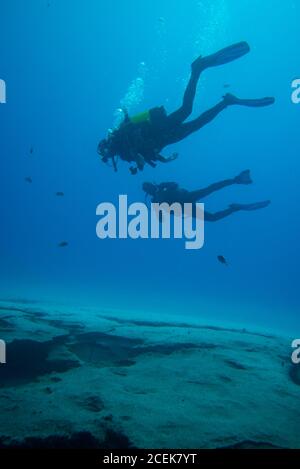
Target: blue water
{"type": "Point", "coordinates": [68, 67]}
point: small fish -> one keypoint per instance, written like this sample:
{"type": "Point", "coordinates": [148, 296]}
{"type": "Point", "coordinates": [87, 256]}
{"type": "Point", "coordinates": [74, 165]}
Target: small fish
{"type": "Point", "coordinates": [60, 194]}
{"type": "Point", "coordinates": [31, 150]}
{"type": "Point", "coordinates": [63, 244]}
{"type": "Point", "coordinates": [28, 179]}
{"type": "Point", "coordinates": [226, 85]}
{"type": "Point", "coordinates": [222, 260]}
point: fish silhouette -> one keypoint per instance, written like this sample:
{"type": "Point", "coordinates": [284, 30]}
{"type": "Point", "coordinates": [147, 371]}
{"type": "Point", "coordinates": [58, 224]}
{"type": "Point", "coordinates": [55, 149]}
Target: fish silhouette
{"type": "Point", "coordinates": [28, 179]}
{"type": "Point", "coordinates": [63, 244]}
{"type": "Point", "coordinates": [222, 260]}
{"type": "Point", "coordinates": [60, 194]}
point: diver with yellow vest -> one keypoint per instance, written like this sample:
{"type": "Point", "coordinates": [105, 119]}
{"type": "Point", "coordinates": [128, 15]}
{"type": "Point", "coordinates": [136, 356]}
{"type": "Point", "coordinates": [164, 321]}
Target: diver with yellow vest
{"type": "Point", "coordinates": [140, 139]}
{"type": "Point", "coordinates": [134, 141]}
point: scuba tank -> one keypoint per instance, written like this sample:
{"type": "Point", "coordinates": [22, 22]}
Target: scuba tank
{"type": "Point", "coordinates": [141, 117]}
{"type": "Point", "coordinates": [154, 116]}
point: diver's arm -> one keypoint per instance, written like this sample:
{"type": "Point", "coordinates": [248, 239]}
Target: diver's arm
{"type": "Point", "coordinates": [164, 159]}
{"type": "Point", "coordinates": [114, 163]}
{"type": "Point", "coordinates": [140, 163]}
{"type": "Point", "coordinates": [146, 157]}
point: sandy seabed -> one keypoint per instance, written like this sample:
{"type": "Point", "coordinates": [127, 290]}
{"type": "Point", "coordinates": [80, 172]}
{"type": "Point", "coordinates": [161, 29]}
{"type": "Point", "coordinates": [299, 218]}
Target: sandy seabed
{"type": "Point", "coordinates": [88, 378]}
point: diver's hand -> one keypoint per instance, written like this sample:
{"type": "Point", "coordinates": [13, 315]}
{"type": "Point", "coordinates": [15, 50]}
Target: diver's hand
{"type": "Point", "coordinates": [133, 170]}
{"type": "Point", "coordinates": [173, 157]}
{"type": "Point", "coordinates": [163, 159]}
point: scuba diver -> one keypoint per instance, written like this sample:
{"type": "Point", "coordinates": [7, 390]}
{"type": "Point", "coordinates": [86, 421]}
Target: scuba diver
{"type": "Point", "coordinates": [170, 193]}
{"type": "Point", "coordinates": [140, 139]}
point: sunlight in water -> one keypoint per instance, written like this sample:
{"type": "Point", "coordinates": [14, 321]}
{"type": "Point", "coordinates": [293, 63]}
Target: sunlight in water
{"type": "Point", "coordinates": [213, 17]}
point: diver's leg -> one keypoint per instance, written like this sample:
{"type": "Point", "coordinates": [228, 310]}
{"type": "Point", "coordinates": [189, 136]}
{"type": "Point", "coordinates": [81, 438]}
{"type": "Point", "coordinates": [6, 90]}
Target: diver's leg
{"type": "Point", "coordinates": [235, 208]}
{"type": "Point", "coordinates": [194, 196]}
{"type": "Point", "coordinates": [184, 130]}
{"type": "Point", "coordinates": [219, 215]}
{"type": "Point", "coordinates": [242, 178]}
{"type": "Point", "coordinates": [186, 108]}
{"type": "Point", "coordinates": [223, 56]}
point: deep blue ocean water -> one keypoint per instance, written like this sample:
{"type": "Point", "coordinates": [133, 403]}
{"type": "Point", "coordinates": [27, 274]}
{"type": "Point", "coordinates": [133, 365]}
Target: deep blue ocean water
{"type": "Point", "coordinates": [68, 67]}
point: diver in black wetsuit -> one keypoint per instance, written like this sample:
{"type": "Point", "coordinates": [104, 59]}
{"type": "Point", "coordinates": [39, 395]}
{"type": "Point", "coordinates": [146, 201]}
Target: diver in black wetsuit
{"type": "Point", "coordinates": [170, 193]}
{"type": "Point", "coordinates": [140, 139]}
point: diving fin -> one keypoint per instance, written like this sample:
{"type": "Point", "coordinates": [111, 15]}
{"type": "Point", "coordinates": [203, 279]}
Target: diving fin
{"type": "Point", "coordinates": [251, 207]}
{"type": "Point", "coordinates": [243, 178]}
{"type": "Point", "coordinates": [230, 99]}
{"type": "Point", "coordinates": [222, 57]}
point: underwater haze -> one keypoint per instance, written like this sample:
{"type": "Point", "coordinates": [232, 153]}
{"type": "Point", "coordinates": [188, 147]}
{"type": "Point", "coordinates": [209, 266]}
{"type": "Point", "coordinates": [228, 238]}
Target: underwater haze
{"type": "Point", "coordinates": [69, 66]}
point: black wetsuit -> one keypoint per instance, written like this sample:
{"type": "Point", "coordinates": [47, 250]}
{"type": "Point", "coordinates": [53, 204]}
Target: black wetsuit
{"type": "Point", "coordinates": [150, 137]}
{"type": "Point", "coordinates": [142, 142]}
{"type": "Point", "coordinates": [170, 193]}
